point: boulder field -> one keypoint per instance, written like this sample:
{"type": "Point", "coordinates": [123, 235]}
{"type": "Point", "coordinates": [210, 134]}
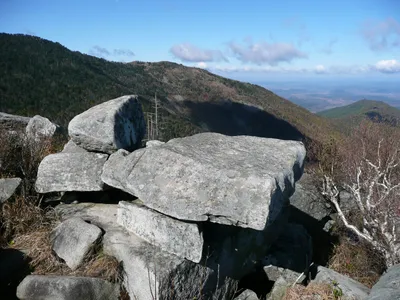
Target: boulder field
{"type": "Point", "coordinates": [194, 215]}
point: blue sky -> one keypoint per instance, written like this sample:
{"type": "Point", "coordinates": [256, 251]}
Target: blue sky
{"type": "Point", "coordinates": [247, 40]}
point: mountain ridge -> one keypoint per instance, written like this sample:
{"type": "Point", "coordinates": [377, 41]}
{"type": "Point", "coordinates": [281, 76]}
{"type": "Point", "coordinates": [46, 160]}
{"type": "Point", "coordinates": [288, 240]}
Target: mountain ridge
{"type": "Point", "coordinates": [44, 77]}
{"type": "Point", "coordinates": [348, 116]}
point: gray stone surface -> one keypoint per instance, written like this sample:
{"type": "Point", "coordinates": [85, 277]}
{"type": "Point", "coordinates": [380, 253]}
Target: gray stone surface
{"type": "Point", "coordinates": [388, 286]}
{"type": "Point", "coordinates": [115, 124]}
{"type": "Point", "coordinates": [308, 199]}
{"type": "Point", "coordinates": [229, 251]}
{"type": "Point", "coordinates": [150, 273]}
{"type": "Point", "coordinates": [154, 143]}
{"type": "Point", "coordinates": [247, 295]}
{"type": "Point", "coordinates": [39, 127]}
{"type": "Point", "coordinates": [351, 289]}
{"type": "Point", "coordinates": [71, 147]}
{"type": "Point", "coordinates": [291, 277]}
{"type": "Point", "coordinates": [63, 172]}
{"type": "Point", "coordinates": [242, 180]}
{"type": "Point", "coordinates": [101, 215]}
{"type": "Point", "coordinates": [279, 289]}
{"type": "Point", "coordinates": [8, 186]}
{"type": "Point", "coordinates": [177, 237]}
{"type": "Point", "coordinates": [73, 239]}
{"type": "Point", "coordinates": [39, 287]}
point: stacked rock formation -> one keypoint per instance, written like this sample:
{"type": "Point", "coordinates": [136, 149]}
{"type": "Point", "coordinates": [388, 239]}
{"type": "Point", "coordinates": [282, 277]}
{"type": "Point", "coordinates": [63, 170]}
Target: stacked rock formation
{"type": "Point", "coordinates": [207, 208]}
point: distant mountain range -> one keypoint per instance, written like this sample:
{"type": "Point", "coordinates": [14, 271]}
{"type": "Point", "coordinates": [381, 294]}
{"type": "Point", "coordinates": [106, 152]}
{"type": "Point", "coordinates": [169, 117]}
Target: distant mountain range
{"type": "Point", "coordinates": [323, 94]}
{"type": "Point", "coordinates": [43, 77]}
{"type": "Point", "coordinates": [345, 117]}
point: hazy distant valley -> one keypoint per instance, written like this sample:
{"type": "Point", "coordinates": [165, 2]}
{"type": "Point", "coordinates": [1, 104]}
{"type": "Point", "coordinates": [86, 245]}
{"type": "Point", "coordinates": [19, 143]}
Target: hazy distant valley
{"type": "Point", "coordinates": [321, 95]}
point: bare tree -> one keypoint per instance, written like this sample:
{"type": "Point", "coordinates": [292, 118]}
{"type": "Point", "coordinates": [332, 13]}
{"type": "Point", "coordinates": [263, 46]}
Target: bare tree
{"type": "Point", "coordinates": [369, 169]}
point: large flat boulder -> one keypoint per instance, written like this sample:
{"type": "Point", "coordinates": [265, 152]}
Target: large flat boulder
{"type": "Point", "coordinates": [8, 186]}
{"type": "Point", "coordinates": [388, 286]}
{"type": "Point", "coordinates": [73, 239]}
{"type": "Point", "coordinates": [242, 180]}
{"type": "Point", "coordinates": [39, 287]}
{"type": "Point", "coordinates": [63, 172]}
{"type": "Point", "coordinates": [177, 237]}
{"type": "Point", "coordinates": [112, 125]}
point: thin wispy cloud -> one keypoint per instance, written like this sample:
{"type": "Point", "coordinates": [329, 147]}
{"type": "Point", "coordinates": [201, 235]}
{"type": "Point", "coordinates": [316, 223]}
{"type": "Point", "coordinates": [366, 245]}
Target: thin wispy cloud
{"type": "Point", "coordinates": [99, 51]}
{"type": "Point", "coordinates": [123, 52]}
{"type": "Point", "coordinates": [296, 25]}
{"type": "Point", "coordinates": [266, 53]}
{"type": "Point", "coordinates": [328, 49]}
{"type": "Point", "coordinates": [105, 53]}
{"type": "Point", "coordinates": [189, 53]}
{"type": "Point", "coordinates": [382, 36]}
{"type": "Point", "coordinates": [30, 32]}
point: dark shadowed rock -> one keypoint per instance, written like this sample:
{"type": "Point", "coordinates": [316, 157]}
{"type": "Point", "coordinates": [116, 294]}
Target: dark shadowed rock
{"type": "Point", "coordinates": [14, 267]}
{"type": "Point", "coordinates": [109, 126]}
{"type": "Point", "coordinates": [388, 286]}
{"type": "Point", "coordinates": [180, 238]}
{"type": "Point", "coordinates": [309, 199]}
{"type": "Point", "coordinates": [63, 172]}
{"type": "Point", "coordinates": [243, 180]}
{"type": "Point", "coordinates": [73, 239]}
{"type": "Point", "coordinates": [8, 186]}
{"type": "Point", "coordinates": [290, 255]}
{"type": "Point", "coordinates": [39, 287]}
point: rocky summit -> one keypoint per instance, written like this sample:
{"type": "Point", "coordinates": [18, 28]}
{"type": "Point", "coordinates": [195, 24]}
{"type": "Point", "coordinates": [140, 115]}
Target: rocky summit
{"type": "Point", "coordinates": [186, 219]}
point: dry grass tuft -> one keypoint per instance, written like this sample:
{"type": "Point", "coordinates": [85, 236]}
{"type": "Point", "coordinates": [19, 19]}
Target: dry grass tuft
{"type": "Point", "coordinates": [101, 266]}
{"type": "Point", "coordinates": [358, 261]}
{"type": "Point", "coordinates": [24, 216]}
{"type": "Point", "coordinates": [311, 292]}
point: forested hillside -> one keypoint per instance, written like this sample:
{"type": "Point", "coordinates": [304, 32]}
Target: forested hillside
{"type": "Point", "coordinates": [43, 77]}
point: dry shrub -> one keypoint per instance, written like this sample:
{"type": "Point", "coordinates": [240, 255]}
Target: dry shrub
{"type": "Point", "coordinates": [24, 216]}
{"type": "Point", "coordinates": [358, 261]}
{"type": "Point", "coordinates": [312, 291]}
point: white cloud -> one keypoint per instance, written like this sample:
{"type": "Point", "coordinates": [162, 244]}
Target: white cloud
{"type": "Point", "coordinates": [266, 53]}
{"type": "Point", "coordinates": [201, 65]}
{"type": "Point", "coordinates": [190, 53]}
{"type": "Point", "coordinates": [382, 36]}
{"type": "Point", "coordinates": [320, 69]}
{"type": "Point", "coordinates": [388, 66]}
